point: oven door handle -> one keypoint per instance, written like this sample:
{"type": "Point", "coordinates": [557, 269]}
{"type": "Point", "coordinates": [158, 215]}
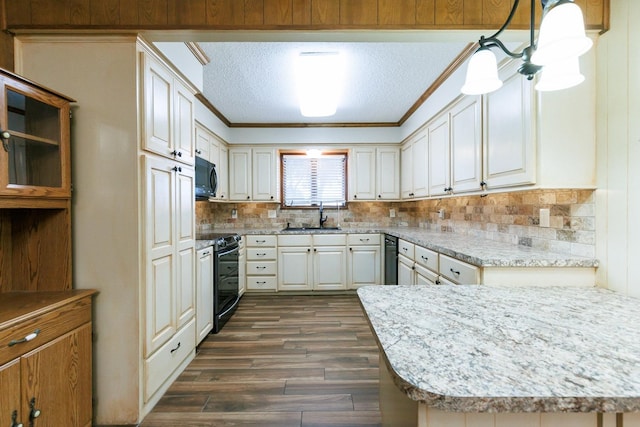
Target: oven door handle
{"type": "Point", "coordinates": [231, 307]}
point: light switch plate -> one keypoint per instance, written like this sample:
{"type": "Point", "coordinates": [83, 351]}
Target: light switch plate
{"type": "Point", "coordinates": [271, 213]}
{"type": "Point", "coordinates": [234, 214]}
{"type": "Point", "coordinates": [392, 213]}
{"type": "Point", "coordinates": [544, 217]}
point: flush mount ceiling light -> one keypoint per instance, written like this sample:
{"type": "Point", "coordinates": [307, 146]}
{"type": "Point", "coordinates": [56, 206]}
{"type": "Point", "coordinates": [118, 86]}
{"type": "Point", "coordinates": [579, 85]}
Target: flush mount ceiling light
{"type": "Point", "coordinates": [561, 41]}
{"type": "Point", "coordinates": [319, 78]}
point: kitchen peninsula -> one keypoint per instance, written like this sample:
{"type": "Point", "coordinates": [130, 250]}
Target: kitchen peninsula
{"type": "Point", "coordinates": [451, 353]}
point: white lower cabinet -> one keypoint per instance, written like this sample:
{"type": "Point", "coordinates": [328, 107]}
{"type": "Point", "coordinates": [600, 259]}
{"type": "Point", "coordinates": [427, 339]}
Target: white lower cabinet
{"type": "Point", "coordinates": [204, 293]}
{"type": "Point", "coordinates": [261, 265]}
{"type": "Point", "coordinates": [458, 272]}
{"type": "Point", "coordinates": [406, 270]}
{"type": "Point", "coordinates": [364, 260]}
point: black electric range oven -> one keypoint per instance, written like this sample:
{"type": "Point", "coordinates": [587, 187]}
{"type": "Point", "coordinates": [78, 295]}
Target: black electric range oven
{"type": "Point", "coordinates": [225, 277]}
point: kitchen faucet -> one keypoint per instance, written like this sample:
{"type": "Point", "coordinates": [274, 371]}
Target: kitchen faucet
{"type": "Point", "coordinates": [322, 220]}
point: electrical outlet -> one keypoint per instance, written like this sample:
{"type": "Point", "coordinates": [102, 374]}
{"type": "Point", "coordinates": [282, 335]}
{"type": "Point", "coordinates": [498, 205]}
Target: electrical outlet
{"type": "Point", "coordinates": [392, 213]}
{"type": "Point", "coordinates": [441, 214]}
{"type": "Point", "coordinates": [234, 214]}
{"type": "Point", "coordinates": [544, 217]}
{"type": "Point", "coordinates": [271, 213]}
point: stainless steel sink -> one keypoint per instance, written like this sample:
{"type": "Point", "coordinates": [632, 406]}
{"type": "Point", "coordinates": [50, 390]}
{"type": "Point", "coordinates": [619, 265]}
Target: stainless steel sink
{"type": "Point", "coordinates": [309, 228]}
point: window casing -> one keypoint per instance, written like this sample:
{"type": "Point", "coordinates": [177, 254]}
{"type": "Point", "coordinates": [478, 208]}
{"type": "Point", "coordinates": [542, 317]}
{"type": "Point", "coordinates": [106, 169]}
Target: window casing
{"type": "Point", "coordinates": [308, 181]}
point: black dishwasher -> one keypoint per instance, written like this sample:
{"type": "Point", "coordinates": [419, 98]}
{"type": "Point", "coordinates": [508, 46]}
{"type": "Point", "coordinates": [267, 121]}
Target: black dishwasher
{"type": "Point", "coordinates": [390, 260]}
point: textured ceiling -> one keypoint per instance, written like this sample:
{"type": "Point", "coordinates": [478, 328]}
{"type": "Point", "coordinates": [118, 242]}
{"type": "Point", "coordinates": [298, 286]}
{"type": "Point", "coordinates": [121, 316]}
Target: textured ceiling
{"type": "Point", "coordinates": [253, 82]}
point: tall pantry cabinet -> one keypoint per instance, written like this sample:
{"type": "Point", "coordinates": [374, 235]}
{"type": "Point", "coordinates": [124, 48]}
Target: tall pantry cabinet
{"type": "Point", "coordinates": [134, 231]}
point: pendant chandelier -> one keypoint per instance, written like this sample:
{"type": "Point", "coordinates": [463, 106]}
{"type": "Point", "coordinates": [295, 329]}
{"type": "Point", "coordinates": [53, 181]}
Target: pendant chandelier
{"type": "Point", "coordinates": [561, 41]}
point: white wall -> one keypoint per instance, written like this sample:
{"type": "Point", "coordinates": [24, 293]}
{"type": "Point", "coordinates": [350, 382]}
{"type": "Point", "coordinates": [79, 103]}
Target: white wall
{"type": "Point", "coordinates": [618, 151]}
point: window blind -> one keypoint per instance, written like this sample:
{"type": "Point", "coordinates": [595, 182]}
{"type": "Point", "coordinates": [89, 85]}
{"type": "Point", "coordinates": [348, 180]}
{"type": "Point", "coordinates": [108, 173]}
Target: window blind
{"type": "Point", "coordinates": [308, 181]}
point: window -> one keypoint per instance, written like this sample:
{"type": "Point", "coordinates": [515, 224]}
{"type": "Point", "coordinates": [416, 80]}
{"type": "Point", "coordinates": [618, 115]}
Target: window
{"type": "Point", "coordinates": [308, 181]}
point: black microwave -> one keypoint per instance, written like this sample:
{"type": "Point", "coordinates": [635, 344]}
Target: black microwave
{"type": "Point", "coordinates": [206, 179]}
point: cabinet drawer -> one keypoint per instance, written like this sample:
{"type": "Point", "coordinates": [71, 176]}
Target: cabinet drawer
{"type": "Point", "coordinates": [330, 240]}
{"type": "Point", "coordinates": [263, 268]}
{"type": "Point", "coordinates": [405, 248]}
{"type": "Point", "coordinates": [427, 258]}
{"type": "Point", "coordinates": [363, 239]}
{"type": "Point", "coordinates": [261, 241]}
{"type": "Point", "coordinates": [425, 276]}
{"type": "Point", "coordinates": [260, 283]}
{"type": "Point", "coordinates": [49, 325]}
{"type": "Point", "coordinates": [458, 271]}
{"type": "Point", "coordinates": [294, 240]}
{"type": "Point", "coordinates": [161, 364]}
{"type": "Point", "coordinates": [259, 254]}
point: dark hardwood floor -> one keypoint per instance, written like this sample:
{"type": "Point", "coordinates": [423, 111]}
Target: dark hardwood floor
{"type": "Point", "coordinates": [281, 361]}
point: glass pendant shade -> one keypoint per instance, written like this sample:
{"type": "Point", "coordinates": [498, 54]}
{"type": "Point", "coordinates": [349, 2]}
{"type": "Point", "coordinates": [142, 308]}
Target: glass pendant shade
{"type": "Point", "coordinates": [560, 75]}
{"type": "Point", "coordinates": [561, 35]}
{"type": "Point", "coordinates": [482, 73]}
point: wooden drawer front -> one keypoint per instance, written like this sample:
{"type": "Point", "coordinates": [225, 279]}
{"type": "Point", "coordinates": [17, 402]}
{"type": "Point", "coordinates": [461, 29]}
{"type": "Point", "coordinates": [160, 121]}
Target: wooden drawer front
{"type": "Point", "coordinates": [363, 239]}
{"type": "Point", "coordinates": [259, 254]}
{"type": "Point", "coordinates": [262, 268]}
{"type": "Point", "coordinates": [330, 240]}
{"type": "Point", "coordinates": [405, 248]}
{"type": "Point", "coordinates": [50, 325]}
{"type": "Point", "coordinates": [294, 240]}
{"type": "Point", "coordinates": [259, 283]}
{"type": "Point", "coordinates": [458, 271]}
{"type": "Point", "coordinates": [161, 364]}
{"type": "Point", "coordinates": [425, 276]}
{"type": "Point", "coordinates": [261, 241]}
{"type": "Point", "coordinates": [427, 258]}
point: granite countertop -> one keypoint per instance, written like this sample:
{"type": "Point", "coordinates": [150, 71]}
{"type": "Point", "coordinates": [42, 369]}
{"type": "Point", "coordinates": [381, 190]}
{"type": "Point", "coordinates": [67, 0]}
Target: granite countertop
{"type": "Point", "coordinates": [492, 349]}
{"type": "Point", "coordinates": [473, 250]}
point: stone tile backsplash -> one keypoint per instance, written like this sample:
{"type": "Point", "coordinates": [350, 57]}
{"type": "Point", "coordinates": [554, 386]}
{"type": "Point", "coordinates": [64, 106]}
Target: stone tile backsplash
{"type": "Point", "coordinates": [507, 217]}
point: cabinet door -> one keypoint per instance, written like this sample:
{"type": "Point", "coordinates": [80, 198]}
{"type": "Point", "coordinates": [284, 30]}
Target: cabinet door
{"type": "Point", "coordinates": [363, 173]}
{"type": "Point", "coordinates": [420, 167]}
{"type": "Point", "coordinates": [509, 157]}
{"type": "Point", "coordinates": [264, 175]}
{"type": "Point", "coordinates": [406, 171]}
{"type": "Point", "coordinates": [439, 167]}
{"type": "Point", "coordinates": [294, 269]}
{"type": "Point", "coordinates": [10, 396]}
{"type": "Point", "coordinates": [58, 376]}
{"type": "Point", "coordinates": [185, 244]}
{"type": "Point", "coordinates": [183, 120]}
{"type": "Point", "coordinates": [158, 102]}
{"type": "Point", "coordinates": [240, 174]}
{"type": "Point", "coordinates": [223, 173]}
{"type": "Point", "coordinates": [202, 143]}
{"type": "Point", "coordinates": [364, 266]}
{"type": "Point", "coordinates": [330, 268]}
{"type": "Point", "coordinates": [35, 160]}
{"type": "Point", "coordinates": [406, 274]}
{"type": "Point", "coordinates": [242, 271]}
{"type": "Point", "coordinates": [160, 263]}
{"type": "Point", "coordinates": [466, 145]}
{"type": "Point", "coordinates": [204, 293]}
{"type": "Point", "coordinates": [388, 173]}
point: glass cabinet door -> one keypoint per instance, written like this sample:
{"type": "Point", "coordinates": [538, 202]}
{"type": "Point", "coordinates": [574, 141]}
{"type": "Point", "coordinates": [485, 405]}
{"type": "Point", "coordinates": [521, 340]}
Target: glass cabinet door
{"type": "Point", "coordinates": [35, 156]}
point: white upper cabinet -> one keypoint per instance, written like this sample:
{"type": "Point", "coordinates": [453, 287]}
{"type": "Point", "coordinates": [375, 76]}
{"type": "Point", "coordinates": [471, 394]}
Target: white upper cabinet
{"type": "Point", "coordinates": [265, 184]}
{"type": "Point", "coordinates": [466, 145]}
{"type": "Point", "coordinates": [169, 113]}
{"type": "Point", "coordinates": [374, 173]}
{"type": "Point", "coordinates": [413, 160]}
{"type": "Point", "coordinates": [214, 150]}
{"type": "Point", "coordinates": [439, 165]}
{"type": "Point", "coordinates": [388, 173]}
{"type": "Point", "coordinates": [239, 174]}
{"type": "Point", "coordinates": [509, 124]}
{"type": "Point", "coordinates": [223, 173]}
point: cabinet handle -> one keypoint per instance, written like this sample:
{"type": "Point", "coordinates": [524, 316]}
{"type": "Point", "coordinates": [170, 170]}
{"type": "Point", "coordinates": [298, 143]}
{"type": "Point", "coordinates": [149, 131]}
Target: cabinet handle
{"type": "Point", "coordinates": [198, 151]}
{"type": "Point", "coordinates": [262, 282]}
{"type": "Point", "coordinates": [5, 135]}
{"type": "Point", "coordinates": [177, 169]}
{"type": "Point", "coordinates": [405, 249]}
{"type": "Point", "coordinates": [424, 258]}
{"type": "Point", "coordinates": [364, 240]}
{"type": "Point", "coordinates": [260, 267]}
{"type": "Point", "coordinates": [457, 273]}
{"type": "Point", "coordinates": [261, 241]}
{"type": "Point", "coordinates": [205, 254]}
{"type": "Point", "coordinates": [261, 254]}
{"type": "Point", "coordinates": [25, 339]}
{"type": "Point", "coordinates": [34, 412]}
{"type": "Point", "coordinates": [14, 419]}
{"type": "Point", "coordinates": [176, 153]}
{"type": "Point", "coordinates": [173, 350]}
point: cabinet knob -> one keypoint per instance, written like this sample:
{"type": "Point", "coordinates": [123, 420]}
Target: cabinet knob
{"type": "Point", "coordinates": [248, 197]}
{"type": "Point", "coordinates": [315, 250]}
{"type": "Point", "coordinates": [34, 412]}
{"type": "Point", "coordinates": [355, 196]}
{"type": "Point", "coordinates": [379, 196]}
{"type": "Point", "coordinates": [271, 197]}
{"type": "Point", "coordinates": [177, 169]}
{"type": "Point", "coordinates": [308, 250]}
{"type": "Point", "coordinates": [14, 419]}
{"type": "Point", "coordinates": [5, 135]}
{"type": "Point", "coordinates": [176, 153]}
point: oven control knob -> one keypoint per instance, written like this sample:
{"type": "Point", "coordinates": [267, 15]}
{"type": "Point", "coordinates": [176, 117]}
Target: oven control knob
{"type": "Point", "coordinates": [221, 243]}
